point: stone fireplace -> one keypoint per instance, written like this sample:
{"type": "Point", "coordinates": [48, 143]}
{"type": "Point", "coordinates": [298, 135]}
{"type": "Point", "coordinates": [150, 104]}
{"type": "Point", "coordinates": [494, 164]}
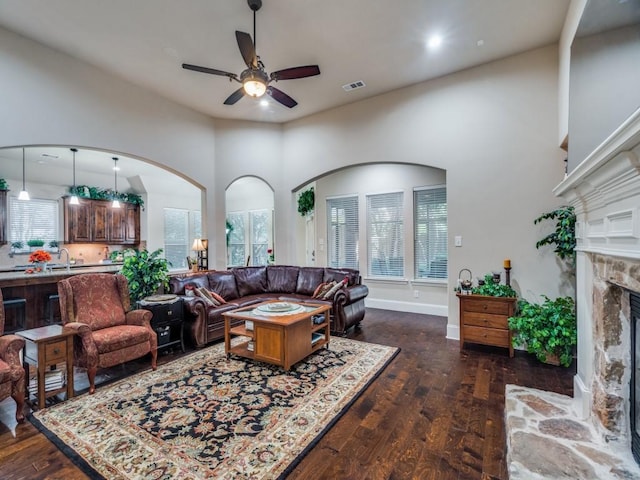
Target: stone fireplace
{"type": "Point", "coordinates": [592, 430]}
{"type": "Point", "coordinates": [605, 192]}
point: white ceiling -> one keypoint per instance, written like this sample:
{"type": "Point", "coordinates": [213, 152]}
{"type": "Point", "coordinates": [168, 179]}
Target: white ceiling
{"type": "Point", "coordinates": [381, 42]}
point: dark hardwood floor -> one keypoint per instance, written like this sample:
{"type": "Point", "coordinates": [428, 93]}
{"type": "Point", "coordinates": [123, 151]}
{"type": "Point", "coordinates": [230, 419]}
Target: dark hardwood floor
{"type": "Point", "coordinates": [435, 413]}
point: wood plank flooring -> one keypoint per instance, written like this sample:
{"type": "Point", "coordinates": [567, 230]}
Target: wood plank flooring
{"type": "Point", "coordinates": [435, 413]}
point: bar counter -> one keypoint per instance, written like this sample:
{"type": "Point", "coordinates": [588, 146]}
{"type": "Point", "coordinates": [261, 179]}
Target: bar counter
{"type": "Point", "coordinates": [36, 288]}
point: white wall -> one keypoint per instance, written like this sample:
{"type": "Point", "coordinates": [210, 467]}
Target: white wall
{"type": "Point", "coordinates": [492, 128]}
{"type": "Point", "coordinates": [52, 98]}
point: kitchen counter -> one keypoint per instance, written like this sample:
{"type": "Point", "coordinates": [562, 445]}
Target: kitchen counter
{"type": "Point", "coordinates": [38, 289]}
{"type": "Point", "coordinates": [14, 277]}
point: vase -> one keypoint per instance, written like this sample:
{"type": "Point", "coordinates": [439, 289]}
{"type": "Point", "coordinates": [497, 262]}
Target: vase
{"type": "Point", "coordinates": [40, 267]}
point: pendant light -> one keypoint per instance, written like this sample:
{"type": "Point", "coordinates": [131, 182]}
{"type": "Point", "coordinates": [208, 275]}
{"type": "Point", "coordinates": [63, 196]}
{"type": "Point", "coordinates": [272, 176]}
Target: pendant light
{"type": "Point", "coordinates": [23, 195]}
{"type": "Point", "coordinates": [74, 198]}
{"type": "Point", "coordinates": [116, 203]}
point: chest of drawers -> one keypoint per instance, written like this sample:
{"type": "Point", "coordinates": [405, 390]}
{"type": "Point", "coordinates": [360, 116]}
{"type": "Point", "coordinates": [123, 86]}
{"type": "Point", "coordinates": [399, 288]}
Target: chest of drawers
{"type": "Point", "coordinates": [484, 320]}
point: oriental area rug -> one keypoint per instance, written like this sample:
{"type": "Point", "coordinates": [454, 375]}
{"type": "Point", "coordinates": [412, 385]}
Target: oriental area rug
{"type": "Point", "coordinates": [203, 416]}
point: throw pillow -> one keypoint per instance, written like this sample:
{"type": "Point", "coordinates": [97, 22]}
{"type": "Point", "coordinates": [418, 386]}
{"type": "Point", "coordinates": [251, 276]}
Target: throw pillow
{"type": "Point", "coordinates": [217, 298]}
{"type": "Point", "coordinates": [322, 289]}
{"type": "Point", "coordinates": [332, 291]}
{"type": "Point", "coordinates": [189, 291]}
{"type": "Point", "coordinates": [204, 294]}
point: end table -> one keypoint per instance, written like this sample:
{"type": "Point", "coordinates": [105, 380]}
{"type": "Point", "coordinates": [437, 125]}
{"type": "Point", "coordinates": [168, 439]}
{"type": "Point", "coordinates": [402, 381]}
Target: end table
{"type": "Point", "coordinates": [167, 321]}
{"type": "Point", "coordinates": [46, 347]}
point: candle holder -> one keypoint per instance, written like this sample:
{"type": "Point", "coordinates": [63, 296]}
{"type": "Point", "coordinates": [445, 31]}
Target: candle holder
{"type": "Point", "coordinates": [507, 275]}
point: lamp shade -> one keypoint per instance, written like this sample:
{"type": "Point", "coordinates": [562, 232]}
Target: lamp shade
{"type": "Point", "coordinates": [198, 246]}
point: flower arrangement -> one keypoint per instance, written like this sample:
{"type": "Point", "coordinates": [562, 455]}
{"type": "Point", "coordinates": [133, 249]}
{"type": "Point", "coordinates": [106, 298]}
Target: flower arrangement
{"type": "Point", "coordinates": [39, 256]}
{"type": "Point", "coordinates": [271, 256]}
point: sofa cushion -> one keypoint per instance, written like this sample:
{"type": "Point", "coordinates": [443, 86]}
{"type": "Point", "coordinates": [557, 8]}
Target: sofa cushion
{"type": "Point", "coordinates": [224, 284]}
{"type": "Point", "coordinates": [338, 274]}
{"type": "Point", "coordinates": [178, 282]}
{"type": "Point", "coordinates": [308, 280]}
{"type": "Point", "coordinates": [250, 280]}
{"type": "Point", "coordinates": [282, 279]}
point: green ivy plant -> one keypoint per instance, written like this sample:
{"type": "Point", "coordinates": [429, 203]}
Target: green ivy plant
{"type": "Point", "coordinates": [145, 272]}
{"type": "Point", "coordinates": [96, 193]}
{"type": "Point", "coordinates": [547, 329]}
{"type": "Point", "coordinates": [493, 289]}
{"type": "Point", "coordinates": [306, 202]}
{"type": "Point", "coordinates": [3, 184]}
{"type": "Point", "coordinates": [564, 236]}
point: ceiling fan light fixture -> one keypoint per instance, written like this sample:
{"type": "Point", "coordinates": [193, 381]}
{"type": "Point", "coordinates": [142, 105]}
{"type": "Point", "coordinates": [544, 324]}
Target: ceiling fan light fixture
{"type": "Point", "coordinates": [254, 83]}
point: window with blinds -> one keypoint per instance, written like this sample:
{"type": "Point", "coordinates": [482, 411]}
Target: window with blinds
{"type": "Point", "coordinates": [430, 234]}
{"type": "Point", "coordinates": [235, 239]}
{"type": "Point", "coordinates": [385, 239]}
{"type": "Point", "coordinates": [343, 232]}
{"type": "Point", "coordinates": [176, 237]}
{"type": "Point", "coordinates": [260, 221]}
{"type": "Point", "coordinates": [35, 219]}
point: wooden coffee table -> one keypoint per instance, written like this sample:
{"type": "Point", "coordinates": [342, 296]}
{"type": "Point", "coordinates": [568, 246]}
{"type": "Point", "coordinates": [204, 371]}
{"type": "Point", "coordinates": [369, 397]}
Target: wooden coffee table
{"type": "Point", "coordinates": [275, 335]}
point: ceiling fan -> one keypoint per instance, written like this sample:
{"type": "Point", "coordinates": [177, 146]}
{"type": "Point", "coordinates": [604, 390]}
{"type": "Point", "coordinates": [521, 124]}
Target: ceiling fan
{"type": "Point", "coordinates": [254, 79]}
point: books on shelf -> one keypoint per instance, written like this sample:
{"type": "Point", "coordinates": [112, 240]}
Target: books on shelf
{"type": "Point", "coordinates": [53, 379]}
{"type": "Point", "coordinates": [316, 337]}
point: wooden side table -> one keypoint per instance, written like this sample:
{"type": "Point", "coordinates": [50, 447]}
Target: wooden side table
{"type": "Point", "coordinates": [167, 321]}
{"type": "Point", "coordinates": [44, 348]}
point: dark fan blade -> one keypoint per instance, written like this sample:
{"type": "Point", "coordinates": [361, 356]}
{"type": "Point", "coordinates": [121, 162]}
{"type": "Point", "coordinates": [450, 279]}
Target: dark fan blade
{"type": "Point", "coordinates": [235, 96]}
{"type": "Point", "coordinates": [281, 97]}
{"type": "Point", "coordinates": [296, 72]}
{"type": "Point", "coordinates": [248, 51]}
{"type": "Point", "coordinates": [212, 71]}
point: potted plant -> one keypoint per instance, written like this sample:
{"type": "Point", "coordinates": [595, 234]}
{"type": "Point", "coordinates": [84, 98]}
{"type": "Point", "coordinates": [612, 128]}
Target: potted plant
{"type": "Point", "coordinates": [146, 272]}
{"type": "Point", "coordinates": [35, 243]}
{"type": "Point", "coordinates": [491, 287]}
{"type": "Point", "coordinates": [306, 202]}
{"type": "Point", "coordinates": [3, 184]}
{"type": "Point", "coordinates": [564, 236]}
{"type": "Point", "coordinates": [549, 330]}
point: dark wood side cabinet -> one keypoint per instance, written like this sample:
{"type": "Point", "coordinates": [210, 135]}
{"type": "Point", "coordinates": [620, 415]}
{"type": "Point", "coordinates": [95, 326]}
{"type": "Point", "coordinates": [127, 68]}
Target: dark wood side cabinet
{"type": "Point", "coordinates": [484, 320]}
{"type": "Point", "coordinates": [3, 217]}
{"type": "Point", "coordinates": [167, 322]}
{"type": "Point", "coordinates": [96, 221]}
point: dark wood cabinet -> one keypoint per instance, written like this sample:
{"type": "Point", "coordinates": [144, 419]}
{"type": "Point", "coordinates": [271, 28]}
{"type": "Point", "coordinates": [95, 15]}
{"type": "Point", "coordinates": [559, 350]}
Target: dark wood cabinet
{"type": "Point", "coordinates": [96, 221]}
{"type": "Point", "coordinates": [484, 320]}
{"type": "Point", "coordinates": [132, 224]}
{"type": "Point", "coordinates": [167, 321]}
{"type": "Point", "coordinates": [116, 225]}
{"type": "Point", "coordinates": [3, 217]}
{"type": "Point", "coordinates": [77, 221]}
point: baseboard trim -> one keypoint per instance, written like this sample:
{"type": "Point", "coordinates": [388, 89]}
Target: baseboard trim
{"type": "Point", "coordinates": [424, 308]}
{"type": "Point", "coordinates": [453, 332]}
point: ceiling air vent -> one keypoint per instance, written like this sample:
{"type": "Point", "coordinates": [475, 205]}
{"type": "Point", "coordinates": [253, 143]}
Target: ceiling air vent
{"type": "Point", "coordinates": [354, 85]}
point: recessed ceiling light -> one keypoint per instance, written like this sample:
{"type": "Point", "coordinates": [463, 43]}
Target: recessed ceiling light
{"type": "Point", "coordinates": [264, 102]}
{"type": "Point", "coordinates": [480, 43]}
{"type": "Point", "coordinates": [434, 41]}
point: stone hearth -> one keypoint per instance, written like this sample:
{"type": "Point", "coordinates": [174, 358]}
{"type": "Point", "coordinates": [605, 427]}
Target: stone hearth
{"type": "Point", "coordinates": [548, 439]}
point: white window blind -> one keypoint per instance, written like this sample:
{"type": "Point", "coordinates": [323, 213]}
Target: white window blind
{"type": "Point", "coordinates": [35, 219]}
{"type": "Point", "coordinates": [176, 237]}
{"type": "Point", "coordinates": [385, 239]}
{"type": "Point", "coordinates": [235, 239]}
{"type": "Point", "coordinates": [343, 232]}
{"type": "Point", "coordinates": [430, 242]}
{"type": "Point", "coordinates": [260, 227]}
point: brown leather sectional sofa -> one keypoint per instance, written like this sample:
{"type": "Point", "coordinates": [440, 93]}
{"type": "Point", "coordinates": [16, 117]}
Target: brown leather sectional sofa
{"type": "Point", "coordinates": [245, 286]}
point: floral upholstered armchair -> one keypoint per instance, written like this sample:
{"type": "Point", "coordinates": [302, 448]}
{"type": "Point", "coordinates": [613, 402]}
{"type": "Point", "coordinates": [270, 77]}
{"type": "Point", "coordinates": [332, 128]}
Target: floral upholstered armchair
{"type": "Point", "coordinates": [12, 376]}
{"type": "Point", "coordinates": [108, 332]}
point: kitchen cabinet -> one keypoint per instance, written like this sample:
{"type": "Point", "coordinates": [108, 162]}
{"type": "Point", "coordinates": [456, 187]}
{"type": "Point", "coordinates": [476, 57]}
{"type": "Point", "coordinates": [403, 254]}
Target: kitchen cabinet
{"type": "Point", "coordinates": [95, 221]}
{"type": "Point", "coordinates": [484, 320]}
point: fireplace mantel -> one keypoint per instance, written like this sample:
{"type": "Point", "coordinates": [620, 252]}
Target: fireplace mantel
{"type": "Point", "coordinates": [604, 189]}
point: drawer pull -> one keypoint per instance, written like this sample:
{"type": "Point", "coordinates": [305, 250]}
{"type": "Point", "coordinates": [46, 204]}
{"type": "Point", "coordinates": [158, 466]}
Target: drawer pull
{"type": "Point", "coordinates": [169, 312]}
{"type": "Point", "coordinates": [56, 351]}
